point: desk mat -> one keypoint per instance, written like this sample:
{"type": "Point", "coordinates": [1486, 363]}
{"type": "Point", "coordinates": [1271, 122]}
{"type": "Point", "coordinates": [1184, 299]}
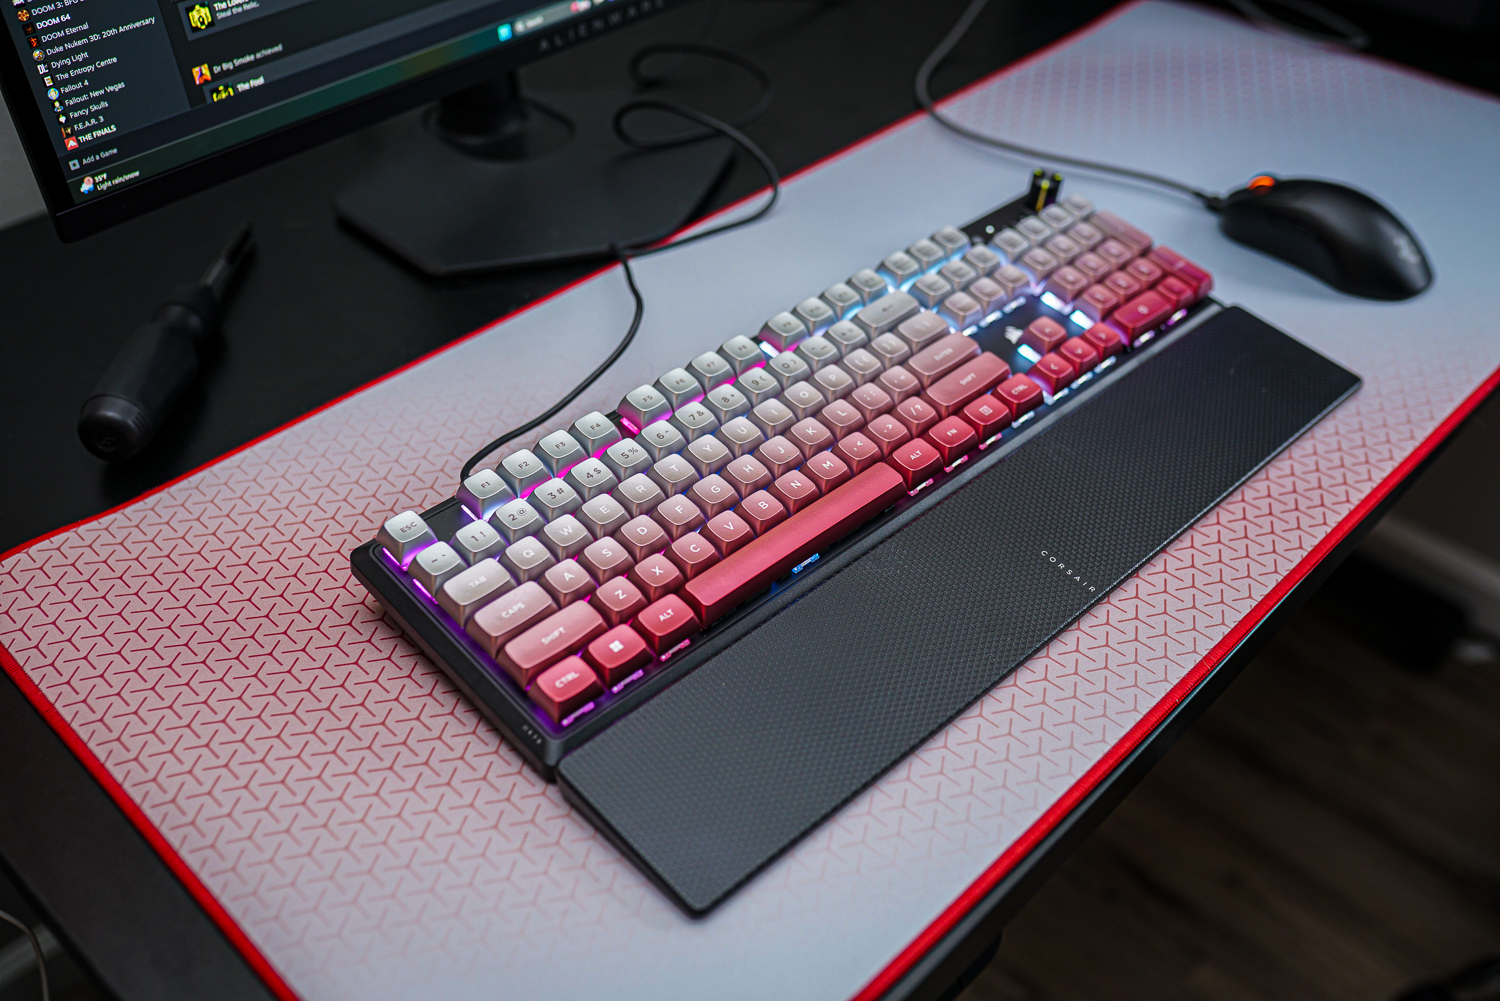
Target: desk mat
{"type": "Point", "coordinates": [362, 833]}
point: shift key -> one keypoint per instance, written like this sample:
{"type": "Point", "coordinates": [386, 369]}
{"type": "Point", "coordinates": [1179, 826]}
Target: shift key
{"type": "Point", "coordinates": [941, 357]}
{"type": "Point", "coordinates": [967, 383]}
{"type": "Point", "coordinates": [550, 640]}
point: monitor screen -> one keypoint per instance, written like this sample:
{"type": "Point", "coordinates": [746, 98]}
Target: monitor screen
{"type": "Point", "coordinates": [118, 101]}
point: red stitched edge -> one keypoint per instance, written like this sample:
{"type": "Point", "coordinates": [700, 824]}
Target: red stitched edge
{"type": "Point", "coordinates": [136, 816]}
{"type": "Point", "coordinates": [1022, 846]}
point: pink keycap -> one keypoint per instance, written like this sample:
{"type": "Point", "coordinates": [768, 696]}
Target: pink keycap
{"type": "Point", "coordinates": [1079, 353]}
{"type": "Point", "coordinates": [858, 451]}
{"type": "Point", "coordinates": [1093, 267]}
{"type": "Point", "coordinates": [1052, 373]}
{"type": "Point", "coordinates": [713, 494]}
{"type": "Point", "coordinates": [953, 437]}
{"type": "Point", "coordinates": [779, 455]}
{"type": "Point", "coordinates": [1124, 285]}
{"type": "Point", "coordinates": [618, 654]}
{"type": "Point", "coordinates": [693, 554]}
{"type": "Point", "coordinates": [665, 623]}
{"type": "Point", "coordinates": [871, 401]}
{"type": "Point", "coordinates": [747, 474]}
{"type": "Point", "coordinates": [988, 415]}
{"type": "Point", "coordinates": [606, 558]}
{"type": "Point", "coordinates": [1019, 393]}
{"type": "Point", "coordinates": [917, 414]}
{"type": "Point", "coordinates": [827, 471]}
{"type": "Point", "coordinates": [1140, 314]}
{"type": "Point", "coordinates": [567, 582]}
{"type": "Point", "coordinates": [550, 640]}
{"type": "Point", "coordinates": [761, 511]}
{"type": "Point", "coordinates": [794, 490]}
{"type": "Point", "coordinates": [916, 461]}
{"type": "Point", "coordinates": [618, 600]}
{"type": "Point", "coordinates": [1179, 267]}
{"type": "Point", "coordinates": [1115, 252]}
{"type": "Point", "coordinates": [656, 576]}
{"type": "Point", "coordinates": [886, 432]}
{"type": "Point", "coordinates": [641, 536]}
{"type": "Point", "coordinates": [841, 418]}
{"type": "Point", "coordinates": [810, 437]}
{"type": "Point", "coordinates": [898, 382]}
{"type": "Point", "coordinates": [566, 688]}
{"type": "Point", "coordinates": [1104, 339]}
{"type": "Point", "coordinates": [1044, 334]}
{"type": "Point", "coordinates": [975, 377]}
{"type": "Point", "coordinates": [509, 615]}
{"type": "Point", "coordinates": [1176, 290]}
{"type": "Point", "coordinates": [941, 357]}
{"type": "Point", "coordinates": [1098, 301]}
{"type": "Point", "coordinates": [1067, 283]}
{"type": "Point", "coordinates": [1121, 230]}
{"type": "Point", "coordinates": [1145, 271]}
{"type": "Point", "coordinates": [727, 532]}
{"type": "Point", "coordinates": [678, 516]}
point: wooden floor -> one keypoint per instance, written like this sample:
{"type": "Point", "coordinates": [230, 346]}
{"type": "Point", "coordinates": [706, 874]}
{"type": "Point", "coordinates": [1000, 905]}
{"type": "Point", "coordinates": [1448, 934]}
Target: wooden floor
{"type": "Point", "coordinates": [1329, 830]}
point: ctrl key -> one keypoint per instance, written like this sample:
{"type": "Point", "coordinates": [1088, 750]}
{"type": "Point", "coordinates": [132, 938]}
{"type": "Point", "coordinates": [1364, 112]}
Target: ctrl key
{"type": "Point", "coordinates": [665, 623]}
{"type": "Point", "coordinates": [565, 688]}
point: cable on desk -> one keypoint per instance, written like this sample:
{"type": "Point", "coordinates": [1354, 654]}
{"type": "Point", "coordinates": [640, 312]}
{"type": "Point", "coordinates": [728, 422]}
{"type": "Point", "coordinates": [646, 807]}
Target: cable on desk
{"type": "Point", "coordinates": [36, 947]}
{"type": "Point", "coordinates": [710, 126]}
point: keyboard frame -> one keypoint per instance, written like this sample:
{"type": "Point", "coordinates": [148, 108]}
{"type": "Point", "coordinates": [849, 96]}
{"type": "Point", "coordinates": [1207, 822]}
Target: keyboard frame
{"type": "Point", "coordinates": [543, 743]}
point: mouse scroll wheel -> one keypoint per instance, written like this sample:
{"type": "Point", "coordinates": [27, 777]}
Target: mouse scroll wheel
{"type": "Point", "coordinates": [1262, 182]}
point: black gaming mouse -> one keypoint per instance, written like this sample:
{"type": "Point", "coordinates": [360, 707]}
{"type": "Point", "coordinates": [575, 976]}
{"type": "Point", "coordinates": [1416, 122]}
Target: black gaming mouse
{"type": "Point", "coordinates": [1335, 233]}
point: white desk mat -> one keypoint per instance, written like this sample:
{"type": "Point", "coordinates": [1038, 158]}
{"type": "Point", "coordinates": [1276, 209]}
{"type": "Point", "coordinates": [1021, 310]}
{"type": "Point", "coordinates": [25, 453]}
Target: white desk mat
{"type": "Point", "coordinates": [371, 836]}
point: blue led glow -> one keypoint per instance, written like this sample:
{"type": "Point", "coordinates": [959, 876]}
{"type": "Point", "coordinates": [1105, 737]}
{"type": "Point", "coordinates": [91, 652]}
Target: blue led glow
{"type": "Point", "coordinates": [1052, 300]}
{"type": "Point", "coordinates": [770, 352]}
{"type": "Point", "coordinates": [1081, 318]}
{"type": "Point", "coordinates": [1029, 352]}
{"type": "Point", "coordinates": [504, 31]}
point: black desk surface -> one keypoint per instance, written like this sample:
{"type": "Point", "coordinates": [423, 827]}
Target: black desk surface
{"type": "Point", "coordinates": [322, 313]}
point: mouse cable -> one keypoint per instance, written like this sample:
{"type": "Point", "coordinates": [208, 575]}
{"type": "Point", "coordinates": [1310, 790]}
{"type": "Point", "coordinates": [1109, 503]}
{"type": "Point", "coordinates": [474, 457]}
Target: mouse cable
{"type": "Point", "coordinates": [36, 947]}
{"type": "Point", "coordinates": [924, 98]}
{"type": "Point", "coordinates": [708, 125]}
{"type": "Point", "coordinates": [1342, 31]}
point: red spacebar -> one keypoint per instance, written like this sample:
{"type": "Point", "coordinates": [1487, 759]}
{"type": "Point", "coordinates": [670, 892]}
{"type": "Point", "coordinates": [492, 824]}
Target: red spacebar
{"type": "Point", "coordinates": [723, 586]}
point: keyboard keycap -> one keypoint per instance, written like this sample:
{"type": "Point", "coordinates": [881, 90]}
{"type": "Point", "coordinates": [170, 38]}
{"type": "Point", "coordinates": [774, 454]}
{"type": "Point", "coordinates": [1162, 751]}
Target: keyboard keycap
{"type": "Point", "coordinates": [888, 433]}
{"type": "Point", "coordinates": [1067, 283]}
{"type": "Point", "coordinates": [710, 370]}
{"type": "Point", "coordinates": [566, 537]}
{"type": "Point", "coordinates": [641, 406]}
{"type": "Point", "coordinates": [841, 418]}
{"type": "Point", "coordinates": [693, 554]}
{"type": "Point", "coordinates": [970, 380]}
{"type": "Point", "coordinates": [665, 623]}
{"type": "Point", "coordinates": [817, 352]}
{"type": "Point", "coordinates": [1115, 252]}
{"type": "Point", "coordinates": [1093, 267]}
{"type": "Point", "coordinates": [802, 399]}
{"type": "Point", "coordinates": [1063, 248]}
{"type": "Point", "coordinates": [1176, 290]}
{"type": "Point", "coordinates": [642, 537]}
{"type": "Point", "coordinates": [1098, 301]}
{"type": "Point", "coordinates": [988, 416]}
{"type": "Point", "coordinates": [868, 284]}
{"type": "Point", "coordinates": [1104, 339]}
{"type": "Point", "coordinates": [841, 298]}
{"type": "Point", "coordinates": [1020, 394]}
{"type": "Point", "coordinates": [674, 474]}
{"type": "Point", "coordinates": [602, 515]}
{"type": "Point", "coordinates": [917, 414]}
{"type": "Point", "coordinates": [898, 382]}
{"type": "Point", "coordinates": [953, 437]}
{"type": "Point", "coordinates": [1044, 334]}
{"type": "Point", "coordinates": [862, 366]}
{"type": "Point", "coordinates": [404, 536]}
{"type": "Point", "coordinates": [783, 331]}
{"type": "Point", "coordinates": [1035, 230]}
{"type": "Point", "coordinates": [527, 559]}
{"type": "Point", "coordinates": [882, 315]}
{"type": "Point", "coordinates": [1079, 353]}
{"type": "Point", "coordinates": [756, 385]}
{"type": "Point", "coordinates": [788, 368]}
{"type": "Point", "coordinates": [845, 336]}
{"type": "Point", "coordinates": [728, 402]}
{"type": "Point", "coordinates": [656, 576]}
{"type": "Point", "coordinates": [742, 353]}
{"type": "Point", "coordinates": [1086, 235]}
{"type": "Point", "coordinates": [1145, 271]}
{"type": "Point", "coordinates": [1184, 270]}
{"type": "Point", "coordinates": [761, 511]}
{"type": "Point", "coordinates": [1011, 278]}
{"type": "Point", "coordinates": [941, 357]}
{"type": "Point", "coordinates": [516, 520]}
{"type": "Point", "coordinates": [477, 541]}
{"type": "Point", "coordinates": [982, 259]}
{"type": "Point", "coordinates": [498, 622]}
{"type": "Point", "coordinates": [827, 471]}
{"type": "Point", "coordinates": [469, 591]}
{"type": "Point", "coordinates": [1038, 263]}
{"type": "Point", "coordinates": [858, 451]}
{"type": "Point", "coordinates": [794, 490]}
{"type": "Point", "coordinates": [522, 471]}
{"type": "Point", "coordinates": [538, 647]}
{"type": "Point", "coordinates": [870, 401]}
{"type": "Point", "coordinates": [779, 455]}
{"type": "Point", "coordinates": [899, 269]}
{"type": "Point", "coordinates": [626, 458]}
{"type": "Point", "coordinates": [595, 433]}
{"type": "Point", "coordinates": [927, 253]}
{"type": "Point", "coordinates": [740, 436]}
{"type": "Point", "coordinates": [1145, 311]}
{"type": "Point", "coordinates": [747, 474]}
{"type": "Point", "coordinates": [1009, 244]}
{"type": "Point", "coordinates": [1052, 373]}
{"type": "Point", "coordinates": [810, 436]}
{"type": "Point", "coordinates": [618, 600]}
{"type": "Point", "coordinates": [1058, 217]}
{"type": "Point", "coordinates": [930, 290]}
{"type": "Point", "coordinates": [435, 566]}
{"type": "Point", "coordinates": [639, 495]}
{"type": "Point", "coordinates": [958, 274]}
{"type": "Point", "coordinates": [990, 295]}
{"type": "Point", "coordinates": [953, 240]}
{"type": "Point", "coordinates": [916, 461]}
{"type": "Point", "coordinates": [661, 439]}
{"type": "Point", "coordinates": [617, 654]}
{"type": "Point", "coordinates": [678, 516]}
{"type": "Point", "coordinates": [815, 314]}
{"type": "Point", "coordinates": [483, 493]}
{"type": "Point", "coordinates": [708, 455]}
{"type": "Point", "coordinates": [1079, 206]}
{"type": "Point", "coordinates": [567, 582]}
{"type": "Point", "coordinates": [559, 452]}
{"type": "Point", "coordinates": [694, 420]}
{"type": "Point", "coordinates": [751, 569]}
{"type": "Point", "coordinates": [565, 688]}
{"type": "Point", "coordinates": [772, 417]}
{"type": "Point", "coordinates": [713, 495]}
{"type": "Point", "coordinates": [890, 350]}
{"type": "Point", "coordinates": [605, 559]}
{"type": "Point", "coordinates": [554, 499]}
{"type": "Point", "coordinates": [1121, 230]}
{"type": "Point", "coordinates": [962, 310]}
{"type": "Point", "coordinates": [727, 532]}
{"type": "Point", "coordinates": [833, 382]}
{"type": "Point", "coordinates": [591, 478]}
{"type": "Point", "coordinates": [922, 329]}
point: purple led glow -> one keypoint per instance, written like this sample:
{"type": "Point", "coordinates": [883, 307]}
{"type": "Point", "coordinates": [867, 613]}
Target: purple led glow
{"type": "Point", "coordinates": [637, 676]}
{"type": "Point", "coordinates": [425, 593]}
{"type": "Point", "coordinates": [680, 646]}
{"type": "Point", "coordinates": [568, 719]}
{"type": "Point", "coordinates": [629, 425]}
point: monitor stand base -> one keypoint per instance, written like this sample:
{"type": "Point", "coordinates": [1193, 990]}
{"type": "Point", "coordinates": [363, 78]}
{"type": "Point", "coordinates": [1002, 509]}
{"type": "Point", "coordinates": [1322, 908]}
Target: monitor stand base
{"type": "Point", "coordinates": [496, 181]}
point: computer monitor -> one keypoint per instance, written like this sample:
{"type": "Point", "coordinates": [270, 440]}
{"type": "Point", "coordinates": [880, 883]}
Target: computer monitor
{"type": "Point", "coordinates": [125, 105]}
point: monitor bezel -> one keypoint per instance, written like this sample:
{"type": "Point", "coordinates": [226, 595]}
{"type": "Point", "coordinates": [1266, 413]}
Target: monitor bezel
{"type": "Point", "coordinates": [76, 221]}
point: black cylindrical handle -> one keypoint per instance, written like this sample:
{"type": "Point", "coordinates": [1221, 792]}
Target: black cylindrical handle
{"type": "Point", "coordinates": [142, 384]}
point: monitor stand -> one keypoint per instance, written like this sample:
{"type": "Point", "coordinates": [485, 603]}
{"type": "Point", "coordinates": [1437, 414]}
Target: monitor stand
{"type": "Point", "coordinates": [495, 180]}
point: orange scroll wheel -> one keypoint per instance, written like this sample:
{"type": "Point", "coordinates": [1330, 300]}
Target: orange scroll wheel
{"type": "Point", "coordinates": [1263, 181]}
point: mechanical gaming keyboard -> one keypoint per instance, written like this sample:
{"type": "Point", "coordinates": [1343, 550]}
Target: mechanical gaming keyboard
{"type": "Point", "coordinates": [720, 611]}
